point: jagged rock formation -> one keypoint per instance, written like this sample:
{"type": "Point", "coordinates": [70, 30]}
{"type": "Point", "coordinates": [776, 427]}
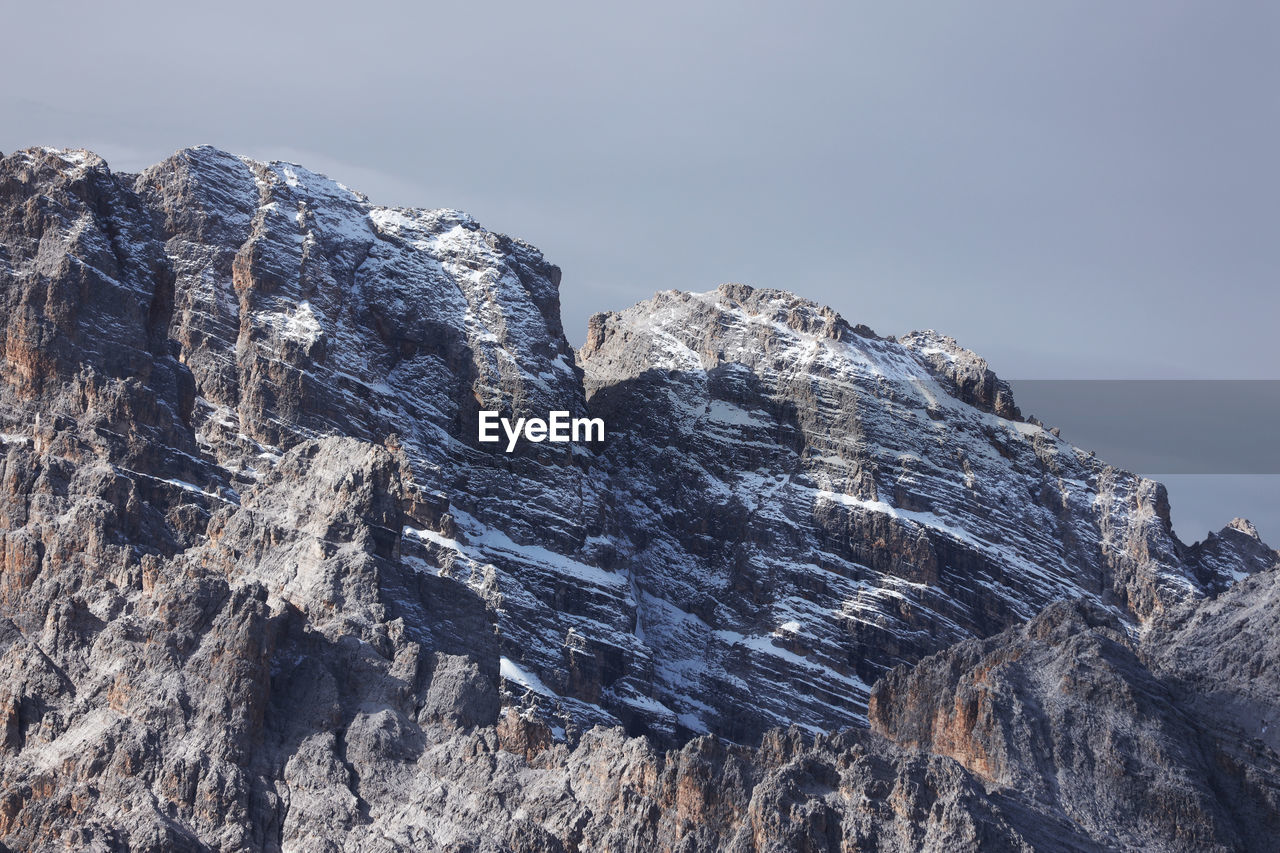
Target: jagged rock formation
{"type": "Point", "coordinates": [262, 588]}
{"type": "Point", "coordinates": [1064, 710]}
{"type": "Point", "coordinates": [808, 505]}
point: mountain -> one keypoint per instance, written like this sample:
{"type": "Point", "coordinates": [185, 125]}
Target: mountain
{"type": "Point", "coordinates": [264, 588]}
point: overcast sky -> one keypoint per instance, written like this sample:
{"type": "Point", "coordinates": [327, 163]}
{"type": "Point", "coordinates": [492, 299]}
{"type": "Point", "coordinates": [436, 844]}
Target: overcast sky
{"type": "Point", "coordinates": [1073, 189]}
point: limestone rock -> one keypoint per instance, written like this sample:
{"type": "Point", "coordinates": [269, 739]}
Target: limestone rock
{"type": "Point", "coordinates": [261, 587]}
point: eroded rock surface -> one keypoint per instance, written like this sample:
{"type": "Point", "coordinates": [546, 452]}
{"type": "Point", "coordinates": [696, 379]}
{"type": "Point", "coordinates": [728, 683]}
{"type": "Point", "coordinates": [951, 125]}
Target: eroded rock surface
{"type": "Point", "coordinates": [1063, 709]}
{"type": "Point", "coordinates": [806, 505]}
{"type": "Point", "coordinates": [261, 587]}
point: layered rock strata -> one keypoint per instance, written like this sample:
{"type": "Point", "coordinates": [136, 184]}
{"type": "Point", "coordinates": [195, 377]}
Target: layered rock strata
{"type": "Point", "coordinates": [262, 588]}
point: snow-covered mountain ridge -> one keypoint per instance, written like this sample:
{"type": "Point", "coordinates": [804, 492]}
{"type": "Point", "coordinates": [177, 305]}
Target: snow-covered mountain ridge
{"type": "Point", "coordinates": [787, 505]}
{"type": "Point", "coordinates": [247, 504]}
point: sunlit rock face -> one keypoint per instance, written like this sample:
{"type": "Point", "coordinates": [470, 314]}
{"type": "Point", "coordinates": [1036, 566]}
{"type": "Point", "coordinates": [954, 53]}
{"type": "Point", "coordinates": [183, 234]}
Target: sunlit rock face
{"type": "Point", "coordinates": [263, 587]}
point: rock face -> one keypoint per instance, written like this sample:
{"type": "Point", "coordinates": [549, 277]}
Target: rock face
{"type": "Point", "coordinates": [262, 588]}
{"type": "Point", "coordinates": [1064, 709]}
{"type": "Point", "coordinates": [804, 505]}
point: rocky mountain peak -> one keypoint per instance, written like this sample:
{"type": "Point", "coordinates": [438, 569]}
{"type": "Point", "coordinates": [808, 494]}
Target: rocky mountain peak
{"type": "Point", "coordinates": [1231, 554]}
{"type": "Point", "coordinates": [264, 588]}
{"type": "Point", "coordinates": [963, 372]}
{"type": "Point", "coordinates": [1243, 525]}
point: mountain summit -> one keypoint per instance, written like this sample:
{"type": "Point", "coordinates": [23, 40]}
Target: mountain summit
{"type": "Point", "coordinates": [264, 588]}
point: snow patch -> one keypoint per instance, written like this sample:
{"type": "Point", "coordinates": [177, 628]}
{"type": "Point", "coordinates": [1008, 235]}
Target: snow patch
{"type": "Point", "coordinates": [300, 325]}
{"type": "Point", "coordinates": [512, 671]}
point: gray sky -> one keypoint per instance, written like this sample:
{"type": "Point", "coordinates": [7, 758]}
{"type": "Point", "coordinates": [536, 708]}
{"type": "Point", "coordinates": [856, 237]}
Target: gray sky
{"type": "Point", "coordinates": [1073, 189]}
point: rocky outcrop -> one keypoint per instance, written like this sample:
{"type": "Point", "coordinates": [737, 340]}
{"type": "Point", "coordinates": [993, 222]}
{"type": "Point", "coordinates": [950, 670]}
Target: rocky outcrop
{"type": "Point", "coordinates": [262, 588]}
{"type": "Point", "coordinates": [804, 506]}
{"type": "Point", "coordinates": [1065, 710]}
{"type": "Point", "coordinates": [1231, 555]}
{"type": "Point", "coordinates": [1222, 653]}
{"type": "Point", "coordinates": [964, 373]}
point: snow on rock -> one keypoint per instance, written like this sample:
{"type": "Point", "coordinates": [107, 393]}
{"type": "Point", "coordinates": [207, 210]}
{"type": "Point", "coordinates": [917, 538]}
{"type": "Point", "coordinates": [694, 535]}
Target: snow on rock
{"type": "Point", "coordinates": [263, 587]}
{"type": "Point", "coordinates": [777, 466]}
